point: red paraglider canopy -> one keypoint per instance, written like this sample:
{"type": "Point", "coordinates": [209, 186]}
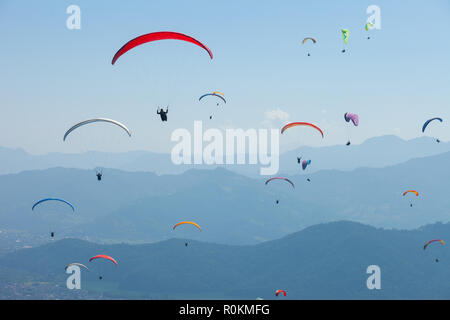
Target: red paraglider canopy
{"type": "Point", "coordinates": [280, 291]}
{"type": "Point", "coordinates": [103, 256]}
{"type": "Point", "coordinates": [154, 36]}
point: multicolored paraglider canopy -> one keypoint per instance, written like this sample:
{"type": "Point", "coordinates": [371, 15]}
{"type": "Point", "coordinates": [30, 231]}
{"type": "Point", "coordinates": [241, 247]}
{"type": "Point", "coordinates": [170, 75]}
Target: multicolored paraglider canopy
{"type": "Point", "coordinates": [280, 291]}
{"type": "Point", "coordinates": [431, 241]}
{"type": "Point", "coordinates": [345, 35]}
{"type": "Point", "coordinates": [309, 38]}
{"type": "Point", "coordinates": [294, 124]}
{"type": "Point", "coordinates": [213, 94]}
{"type": "Point", "coordinates": [281, 178]}
{"type": "Point", "coordinates": [368, 26]}
{"type": "Point", "coordinates": [305, 163]}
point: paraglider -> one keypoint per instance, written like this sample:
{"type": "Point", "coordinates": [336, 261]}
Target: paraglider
{"type": "Point", "coordinates": [345, 35]}
{"type": "Point", "coordinates": [411, 191]}
{"type": "Point", "coordinates": [280, 178]}
{"type": "Point", "coordinates": [430, 242]}
{"type": "Point", "coordinates": [217, 94]}
{"type": "Point", "coordinates": [52, 233]}
{"type": "Point", "coordinates": [312, 39]}
{"type": "Point", "coordinates": [298, 160]}
{"type": "Point", "coordinates": [103, 256]}
{"type": "Point", "coordinates": [280, 291]}
{"type": "Point", "coordinates": [425, 125]}
{"type": "Point", "coordinates": [163, 113]}
{"type": "Point", "coordinates": [98, 174]}
{"type": "Point", "coordinates": [186, 222]}
{"type": "Point", "coordinates": [294, 124]}
{"type": "Point", "coordinates": [155, 36]}
{"type": "Point", "coordinates": [368, 27]}
{"type": "Point", "coordinates": [354, 118]}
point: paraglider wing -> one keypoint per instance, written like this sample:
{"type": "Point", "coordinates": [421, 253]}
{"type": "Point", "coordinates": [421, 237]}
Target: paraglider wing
{"type": "Point", "coordinates": [53, 199]}
{"type": "Point", "coordinates": [117, 123]}
{"type": "Point", "coordinates": [352, 117]}
{"type": "Point", "coordinates": [281, 178]}
{"type": "Point", "coordinates": [103, 256]}
{"type": "Point", "coordinates": [212, 94]}
{"type": "Point", "coordinates": [305, 163]}
{"type": "Point", "coordinates": [425, 125]}
{"type": "Point", "coordinates": [431, 241]}
{"type": "Point", "coordinates": [218, 92]}
{"type": "Point", "coordinates": [187, 222]}
{"type": "Point", "coordinates": [345, 34]}
{"type": "Point", "coordinates": [309, 38]}
{"type": "Point", "coordinates": [280, 291]}
{"type": "Point", "coordinates": [412, 191]}
{"type": "Point", "coordinates": [163, 35]}
{"type": "Point", "coordinates": [368, 26]}
{"type": "Point", "coordinates": [76, 264]}
{"type": "Point", "coordinates": [293, 124]}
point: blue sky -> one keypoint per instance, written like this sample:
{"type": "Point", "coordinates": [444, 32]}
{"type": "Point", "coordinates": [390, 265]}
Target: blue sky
{"type": "Point", "coordinates": [53, 77]}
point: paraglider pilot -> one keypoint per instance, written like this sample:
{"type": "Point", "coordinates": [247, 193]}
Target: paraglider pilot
{"type": "Point", "coordinates": [163, 113]}
{"type": "Point", "coordinates": [99, 175]}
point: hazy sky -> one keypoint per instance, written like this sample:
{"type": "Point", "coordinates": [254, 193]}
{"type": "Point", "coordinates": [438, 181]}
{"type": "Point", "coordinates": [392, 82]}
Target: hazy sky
{"type": "Point", "coordinates": [53, 77]}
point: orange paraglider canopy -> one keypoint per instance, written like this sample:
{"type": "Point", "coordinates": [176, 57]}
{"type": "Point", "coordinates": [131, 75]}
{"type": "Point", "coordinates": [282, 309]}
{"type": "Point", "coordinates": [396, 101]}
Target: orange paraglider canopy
{"type": "Point", "coordinates": [413, 191]}
{"type": "Point", "coordinates": [187, 222]}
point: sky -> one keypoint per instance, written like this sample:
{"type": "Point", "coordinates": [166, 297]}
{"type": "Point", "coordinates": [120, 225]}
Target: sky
{"type": "Point", "coordinates": [52, 77]}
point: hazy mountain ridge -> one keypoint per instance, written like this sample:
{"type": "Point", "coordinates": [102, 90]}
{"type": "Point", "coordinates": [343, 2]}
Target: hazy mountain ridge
{"type": "Point", "coordinates": [375, 152]}
{"type": "Point", "coordinates": [326, 261]}
{"type": "Point", "coordinates": [233, 209]}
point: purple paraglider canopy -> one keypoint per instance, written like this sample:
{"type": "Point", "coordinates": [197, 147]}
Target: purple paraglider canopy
{"type": "Point", "coordinates": [353, 117]}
